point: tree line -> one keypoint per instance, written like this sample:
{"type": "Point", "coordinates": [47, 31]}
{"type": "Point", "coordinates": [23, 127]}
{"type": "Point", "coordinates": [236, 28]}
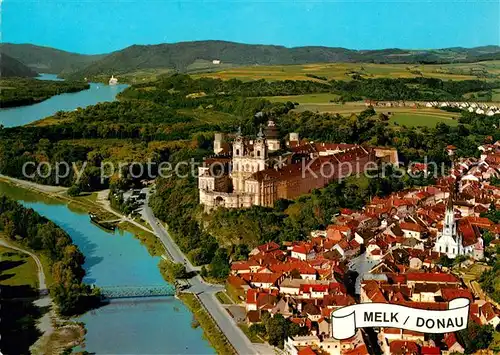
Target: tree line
{"type": "Point", "coordinates": [418, 89]}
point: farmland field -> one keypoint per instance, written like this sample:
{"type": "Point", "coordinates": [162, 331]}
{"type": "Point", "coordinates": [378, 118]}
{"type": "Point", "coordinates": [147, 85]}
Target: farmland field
{"type": "Point", "coordinates": [407, 116]}
{"type": "Point", "coordinates": [305, 99]}
{"type": "Point", "coordinates": [496, 95]}
{"type": "Point", "coordinates": [420, 119]}
{"type": "Point", "coordinates": [344, 71]}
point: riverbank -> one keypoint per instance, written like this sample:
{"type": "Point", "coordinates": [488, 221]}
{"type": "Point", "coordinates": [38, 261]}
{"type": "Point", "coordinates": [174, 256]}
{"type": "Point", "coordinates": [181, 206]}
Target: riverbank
{"type": "Point", "coordinates": [18, 92]}
{"type": "Point", "coordinates": [97, 207]}
{"type": "Point", "coordinates": [55, 333]}
{"type": "Point", "coordinates": [210, 328]}
{"type": "Point", "coordinates": [64, 101]}
{"type": "Point", "coordinates": [94, 202]}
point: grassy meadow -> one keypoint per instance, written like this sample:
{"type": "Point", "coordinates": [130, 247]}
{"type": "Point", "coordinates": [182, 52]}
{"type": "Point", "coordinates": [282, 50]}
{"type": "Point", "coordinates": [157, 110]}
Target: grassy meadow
{"type": "Point", "coordinates": [305, 99]}
{"type": "Point", "coordinates": [17, 269]}
{"type": "Point", "coordinates": [420, 119]}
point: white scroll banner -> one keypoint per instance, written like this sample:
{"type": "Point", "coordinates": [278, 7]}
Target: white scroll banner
{"type": "Point", "coordinates": [346, 320]}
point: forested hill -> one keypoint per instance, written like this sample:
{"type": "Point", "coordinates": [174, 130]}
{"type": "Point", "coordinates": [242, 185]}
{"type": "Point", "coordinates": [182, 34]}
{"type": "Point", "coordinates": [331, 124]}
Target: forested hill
{"type": "Point", "coordinates": [46, 59]}
{"type": "Point", "coordinates": [10, 67]}
{"type": "Point", "coordinates": [184, 56]}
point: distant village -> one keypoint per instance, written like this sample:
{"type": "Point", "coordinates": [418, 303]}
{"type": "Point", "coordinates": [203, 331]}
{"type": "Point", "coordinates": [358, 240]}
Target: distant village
{"type": "Point", "coordinates": [396, 246]}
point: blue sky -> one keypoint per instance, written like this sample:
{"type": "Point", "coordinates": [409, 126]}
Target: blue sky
{"type": "Point", "coordinates": [100, 26]}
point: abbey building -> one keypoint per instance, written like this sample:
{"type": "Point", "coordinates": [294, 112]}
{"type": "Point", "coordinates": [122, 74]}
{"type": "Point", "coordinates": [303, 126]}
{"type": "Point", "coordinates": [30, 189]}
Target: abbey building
{"type": "Point", "coordinates": [260, 171]}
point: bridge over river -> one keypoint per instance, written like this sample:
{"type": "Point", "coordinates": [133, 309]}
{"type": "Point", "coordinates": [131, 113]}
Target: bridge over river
{"type": "Point", "coordinates": [109, 292]}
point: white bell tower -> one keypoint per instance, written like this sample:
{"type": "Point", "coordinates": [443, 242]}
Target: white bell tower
{"type": "Point", "coordinates": [260, 151]}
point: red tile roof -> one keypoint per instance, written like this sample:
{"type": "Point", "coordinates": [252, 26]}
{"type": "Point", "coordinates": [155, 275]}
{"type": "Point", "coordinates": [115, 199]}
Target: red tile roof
{"type": "Point", "coordinates": [360, 350]}
{"type": "Point", "coordinates": [236, 281]}
{"type": "Point", "coordinates": [305, 288]}
{"type": "Point", "coordinates": [302, 249]}
{"type": "Point", "coordinates": [403, 347]}
{"type": "Point", "coordinates": [414, 227]}
{"type": "Point", "coordinates": [306, 351]}
{"type": "Point", "coordinates": [252, 296]}
{"type": "Point", "coordinates": [431, 277]}
{"type": "Point", "coordinates": [488, 311]}
{"type": "Point", "coordinates": [452, 293]}
{"type": "Point", "coordinates": [450, 339]}
{"type": "Point", "coordinates": [268, 247]}
{"type": "Point", "coordinates": [271, 278]}
{"type": "Point", "coordinates": [430, 350]}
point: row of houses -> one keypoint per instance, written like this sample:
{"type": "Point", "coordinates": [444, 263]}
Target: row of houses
{"type": "Point", "coordinates": [479, 108]}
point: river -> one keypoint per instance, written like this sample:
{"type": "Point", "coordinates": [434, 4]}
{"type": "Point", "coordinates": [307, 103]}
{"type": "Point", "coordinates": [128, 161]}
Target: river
{"type": "Point", "coordinates": [18, 116]}
{"type": "Point", "coordinates": [129, 326]}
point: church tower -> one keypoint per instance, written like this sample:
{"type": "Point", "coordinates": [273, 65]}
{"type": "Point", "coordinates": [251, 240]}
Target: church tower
{"type": "Point", "coordinates": [450, 226]}
{"type": "Point", "coordinates": [238, 145]}
{"type": "Point", "coordinates": [260, 151]}
{"type": "Point", "coordinates": [448, 241]}
{"type": "Point", "coordinates": [218, 142]}
{"type": "Point", "coordinates": [272, 136]}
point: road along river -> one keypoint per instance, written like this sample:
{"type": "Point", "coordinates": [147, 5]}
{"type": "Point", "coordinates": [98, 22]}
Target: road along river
{"type": "Point", "coordinates": [156, 325]}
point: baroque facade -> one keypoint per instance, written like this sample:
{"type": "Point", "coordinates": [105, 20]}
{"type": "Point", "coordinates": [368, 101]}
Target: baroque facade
{"type": "Point", "coordinates": [250, 172]}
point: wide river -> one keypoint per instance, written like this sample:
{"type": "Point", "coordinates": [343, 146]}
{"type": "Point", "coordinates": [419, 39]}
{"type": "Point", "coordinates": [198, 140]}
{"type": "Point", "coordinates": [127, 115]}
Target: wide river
{"type": "Point", "coordinates": [129, 326]}
{"type": "Point", "coordinates": [18, 116]}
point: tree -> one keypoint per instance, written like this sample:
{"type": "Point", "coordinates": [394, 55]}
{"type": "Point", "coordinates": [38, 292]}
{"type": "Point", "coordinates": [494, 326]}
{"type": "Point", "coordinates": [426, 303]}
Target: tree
{"type": "Point", "coordinates": [179, 271]}
{"type": "Point", "coordinates": [277, 329]}
{"type": "Point", "coordinates": [172, 271]}
{"type": "Point", "coordinates": [219, 267]}
{"type": "Point", "coordinates": [476, 337]}
{"type": "Point", "coordinates": [488, 237]}
{"type": "Point", "coordinates": [293, 329]}
{"type": "Point", "coordinates": [240, 252]}
{"type": "Point", "coordinates": [74, 190]}
{"type": "Point", "coordinates": [445, 261]}
{"type": "Point", "coordinates": [490, 281]}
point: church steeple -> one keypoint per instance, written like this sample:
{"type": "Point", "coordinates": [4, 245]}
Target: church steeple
{"type": "Point", "coordinates": [449, 203]}
{"type": "Point", "coordinates": [449, 227]}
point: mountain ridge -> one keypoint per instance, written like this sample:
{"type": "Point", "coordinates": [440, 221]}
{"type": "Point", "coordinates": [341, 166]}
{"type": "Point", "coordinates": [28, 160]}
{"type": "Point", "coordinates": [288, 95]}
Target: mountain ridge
{"type": "Point", "coordinates": [45, 59]}
{"type": "Point", "coordinates": [179, 56]}
{"type": "Point", "coordinates": [10, 67]}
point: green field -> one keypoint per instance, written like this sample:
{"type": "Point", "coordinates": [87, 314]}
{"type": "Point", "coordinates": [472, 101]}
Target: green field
{"type": "Point", "coordinates": [496, 95]}
{"type": "Point", "coordinates": [420, 119]}
{"type": "Point", "coordinates": [17, 269]}
{"type": "Point", "coordinates": [305, 99]}
{"type": "Point", "coordinates": [489, 70]}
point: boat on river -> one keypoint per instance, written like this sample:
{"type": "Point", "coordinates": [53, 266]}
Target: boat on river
{"type": "Point", "coordinates": [105, 225]}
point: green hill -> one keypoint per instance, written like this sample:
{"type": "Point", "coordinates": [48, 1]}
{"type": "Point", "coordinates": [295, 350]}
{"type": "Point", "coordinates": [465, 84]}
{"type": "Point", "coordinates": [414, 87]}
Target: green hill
{"type": "Point", "coordinates": [10, 67]}
{"type": "Point", "coordinates": [182, 56]}
{"type": "Point", "coordinates": [46, 59]}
